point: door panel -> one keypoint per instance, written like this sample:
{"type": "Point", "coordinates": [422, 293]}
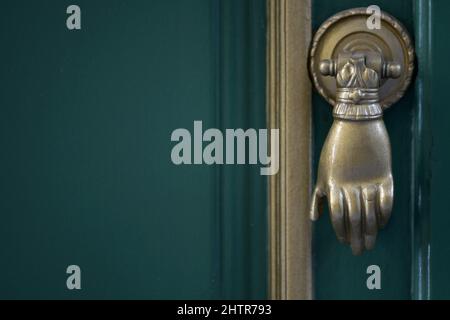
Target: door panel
{"type": "Point", "coordinates": [86, 176]}
{"type": "Point", "coordinates": [433, 216]}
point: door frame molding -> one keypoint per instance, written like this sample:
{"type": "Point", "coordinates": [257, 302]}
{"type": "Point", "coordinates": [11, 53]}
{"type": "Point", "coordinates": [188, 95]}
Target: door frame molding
{"type": "Point", "coordinates": [289, 110]}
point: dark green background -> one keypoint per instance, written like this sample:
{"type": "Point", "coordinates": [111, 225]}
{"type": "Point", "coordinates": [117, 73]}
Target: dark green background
{"type": "Point", "coordinates": [85, 170]}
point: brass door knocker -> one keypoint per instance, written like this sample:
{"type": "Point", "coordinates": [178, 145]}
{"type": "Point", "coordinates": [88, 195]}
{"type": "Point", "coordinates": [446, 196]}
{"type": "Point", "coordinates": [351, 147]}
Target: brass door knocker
{"type": "Point", "coordinates": [360, 72]}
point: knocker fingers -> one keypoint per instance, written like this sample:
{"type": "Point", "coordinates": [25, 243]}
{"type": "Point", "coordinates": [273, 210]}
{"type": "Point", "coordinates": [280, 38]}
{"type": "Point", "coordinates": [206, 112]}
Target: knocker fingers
{"type": "Point", "coordinates": [316, 204]}
{"type": "Point", "coordinates": [385, 200]}
{"type": "Point", "coordinates": [370, 225]}
{"type": "Point", "coordinates": [353, 207]}
{"type": "Point", "coordinates": [356, 213]}
{"type": "Point", "coordinates": [337, 212]}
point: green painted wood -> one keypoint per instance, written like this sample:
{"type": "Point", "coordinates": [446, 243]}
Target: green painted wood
{"type": "Point", "coordinates": [435, 73]}
{"type": "Point", "coordinates": [422, 145]}
{"type": "Point", "coordinates": [337, 273]}
{"type": "Point", "coordinates": [86, 176]}
{"type": "Point", "coordinates": [241, 104]}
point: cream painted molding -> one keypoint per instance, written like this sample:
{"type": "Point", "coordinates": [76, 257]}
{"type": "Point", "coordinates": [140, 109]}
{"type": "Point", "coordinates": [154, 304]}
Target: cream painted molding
{"type": "Point", "coordinates": [289, 109]}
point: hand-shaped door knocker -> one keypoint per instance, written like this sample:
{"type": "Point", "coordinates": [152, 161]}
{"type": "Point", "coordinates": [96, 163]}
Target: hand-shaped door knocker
{"type": "Point", "coordinates": [360, 72]}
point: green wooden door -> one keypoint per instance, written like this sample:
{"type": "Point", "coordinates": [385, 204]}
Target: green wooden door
{"type": "Point", "coordinates": [86, 173]}
{"type": "Point", "coordinates": [412, 251]}
{"type": "Point", "coordinates": [86, 118]}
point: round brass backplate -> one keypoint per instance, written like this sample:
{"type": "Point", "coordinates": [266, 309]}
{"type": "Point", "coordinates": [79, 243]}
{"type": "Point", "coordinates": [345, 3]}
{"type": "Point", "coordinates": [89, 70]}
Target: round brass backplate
{"type": "Point", "coordinates": [347, 31]}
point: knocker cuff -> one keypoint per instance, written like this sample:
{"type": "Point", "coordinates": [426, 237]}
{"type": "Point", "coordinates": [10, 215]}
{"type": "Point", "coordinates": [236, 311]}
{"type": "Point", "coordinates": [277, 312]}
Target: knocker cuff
{"type": "Point", "coordinates": [357, 104]}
